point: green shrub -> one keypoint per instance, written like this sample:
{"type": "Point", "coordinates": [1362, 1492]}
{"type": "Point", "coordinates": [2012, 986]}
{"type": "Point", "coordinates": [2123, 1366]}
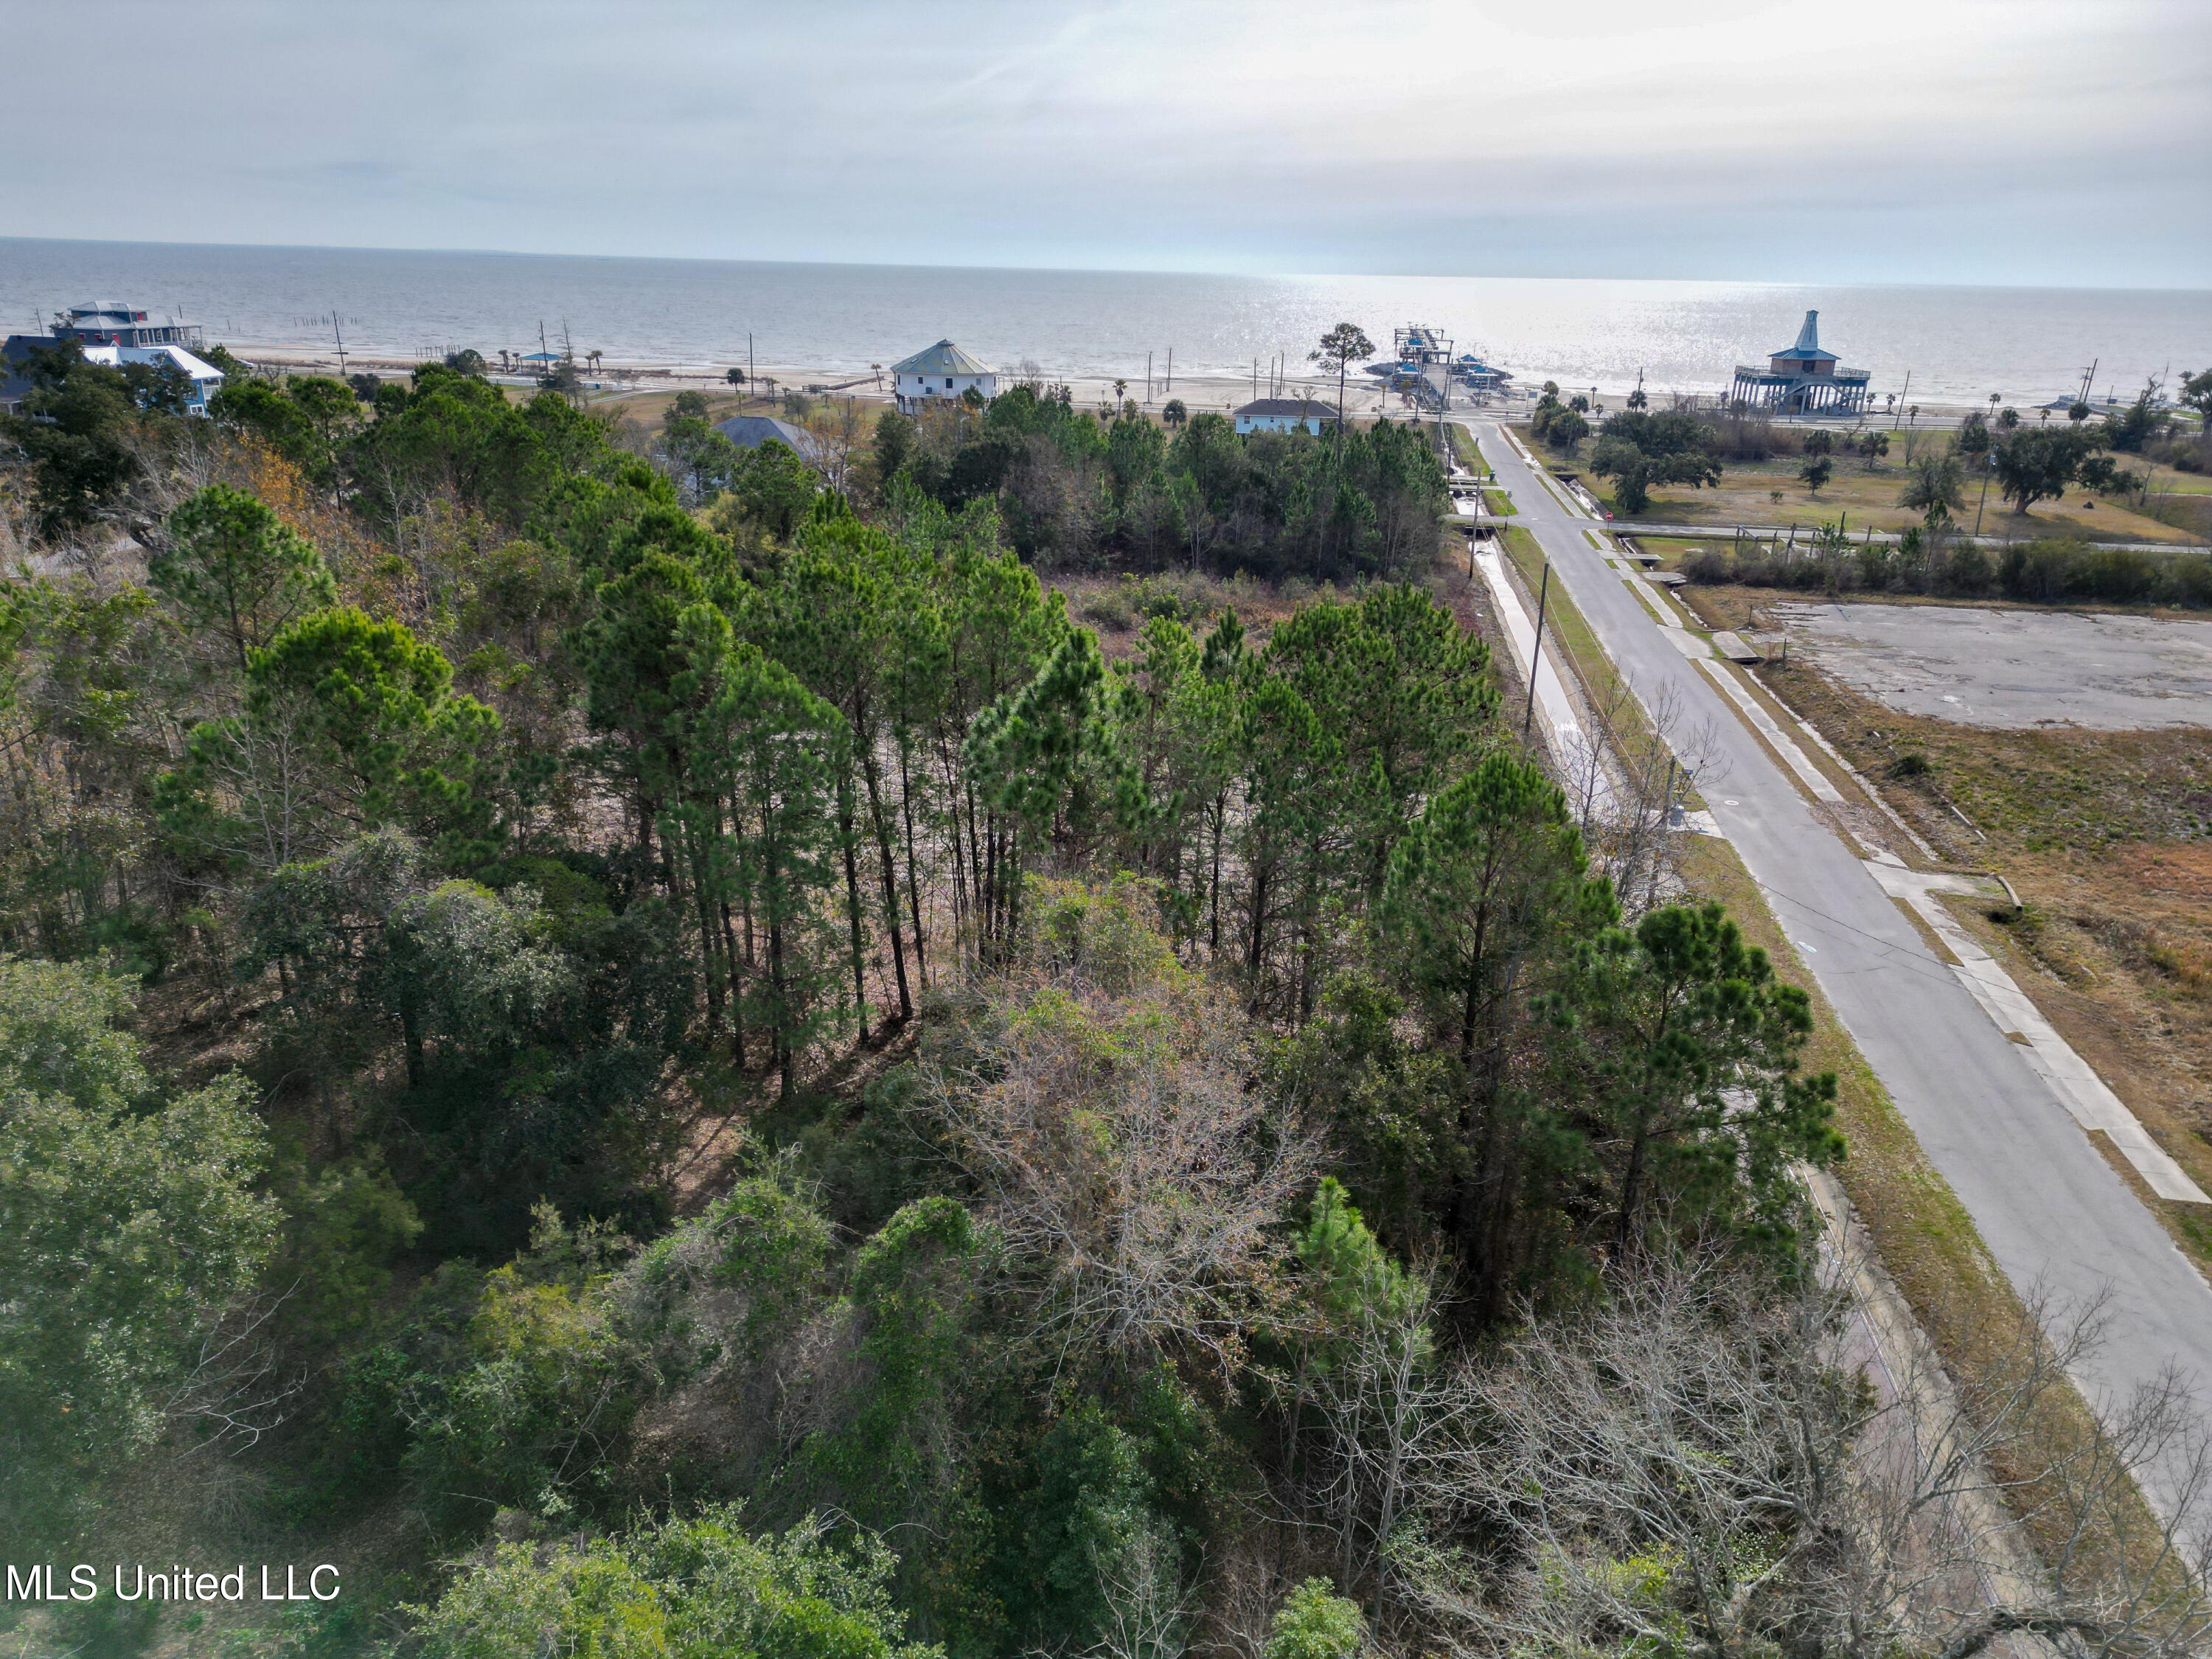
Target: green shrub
{"type": "Point", "coordinates": [1315, 1622]}
{"type": "Point", "coordinates": [697, 1586]}
{"type": "Point", "coordinates": [541, 1380]}
{"type": "Point", "coordinates": [342, 1226]}
{"type": "Point", "coordinates": [124, 1235]}
{"type": "Point", "coordinates": [2043, 572]}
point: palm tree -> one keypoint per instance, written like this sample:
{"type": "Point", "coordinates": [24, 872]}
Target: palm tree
{"type": "Point", "coordinates": [1173, 414]}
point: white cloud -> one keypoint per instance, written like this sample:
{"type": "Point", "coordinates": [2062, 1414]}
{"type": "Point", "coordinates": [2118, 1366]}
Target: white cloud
{"type": "Point", "coordinates": [1943, 139]}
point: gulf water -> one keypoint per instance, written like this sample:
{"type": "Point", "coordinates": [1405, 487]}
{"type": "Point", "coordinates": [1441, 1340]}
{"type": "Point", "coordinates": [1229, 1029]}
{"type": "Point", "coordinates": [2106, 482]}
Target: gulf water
{"type": "Point", "coordinates": [1960, 344]}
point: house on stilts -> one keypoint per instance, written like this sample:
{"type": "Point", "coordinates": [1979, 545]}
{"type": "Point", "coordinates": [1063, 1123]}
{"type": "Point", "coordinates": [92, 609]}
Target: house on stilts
{"type": "Point", "coordinates": [1803, 381]}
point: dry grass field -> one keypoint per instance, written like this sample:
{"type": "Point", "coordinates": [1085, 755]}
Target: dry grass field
{"type": "Point", "coordinates": [1771, 492]}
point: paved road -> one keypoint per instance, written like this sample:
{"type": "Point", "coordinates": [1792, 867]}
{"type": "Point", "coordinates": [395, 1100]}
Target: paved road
{"type": "Point", "coordinates": [2051, 1211]}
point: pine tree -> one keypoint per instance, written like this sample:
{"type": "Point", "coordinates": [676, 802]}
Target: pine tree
{"type": "Point", "coordinates": [773, 752]}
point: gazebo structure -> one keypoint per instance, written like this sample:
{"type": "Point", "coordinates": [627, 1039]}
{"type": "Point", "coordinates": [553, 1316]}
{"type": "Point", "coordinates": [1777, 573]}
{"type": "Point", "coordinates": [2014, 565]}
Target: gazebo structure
{"type": "Point", "coordinates": [1803, 381]}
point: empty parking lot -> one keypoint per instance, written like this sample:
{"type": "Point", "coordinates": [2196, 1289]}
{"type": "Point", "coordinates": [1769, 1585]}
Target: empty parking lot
{"type": "Point", "coordinates": [2013, 668]}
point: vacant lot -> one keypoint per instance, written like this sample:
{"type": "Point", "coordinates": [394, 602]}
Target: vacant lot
{"type": "Point", "coordinates": [2106, 834]}
{"type": "Point", "coordinates": [2012, 668]}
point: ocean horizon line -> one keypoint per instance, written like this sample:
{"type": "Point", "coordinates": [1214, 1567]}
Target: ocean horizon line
{"type": "Point", "coordinates": [1869, 285]}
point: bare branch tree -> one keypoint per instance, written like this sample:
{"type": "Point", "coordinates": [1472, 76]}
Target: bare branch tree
{"type": "Point", "coordinates": [1128, 1157]}
{"type": "Point", "coordinates": [1695, 1463]}
{"type": "Point", "coordinates": [234, 1391]}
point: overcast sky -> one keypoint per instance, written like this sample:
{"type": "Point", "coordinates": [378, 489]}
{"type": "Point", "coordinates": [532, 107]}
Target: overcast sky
{"type": "Point", "coordinates": [2038, 142]}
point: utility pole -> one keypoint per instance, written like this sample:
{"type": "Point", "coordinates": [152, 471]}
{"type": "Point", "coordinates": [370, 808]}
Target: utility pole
{"type": "Point", "coordinates": [1536, 657]}
{"type": "Point", "coordinates": [338, 334]}
{"type": "Point", "coordinates": [1148, 380]}
{"type": "Point", "coordinates": [1665, 824]}
{"type": "Point", "coordinates": [1443, 402]}
{"type": "Point", "coordinates": [749, 371]}
{"type": "Point", "coordinates": [1170, 371]}
{"type": "Point", "coordinates": [1901, 400]}
{"type": "Point", "coordinates": [1989, 465]}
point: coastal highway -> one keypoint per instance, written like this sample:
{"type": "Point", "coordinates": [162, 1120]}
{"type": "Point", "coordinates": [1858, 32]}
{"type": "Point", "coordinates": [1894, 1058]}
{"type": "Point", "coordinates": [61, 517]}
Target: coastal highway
{"type": "Point", "coordinates": [2055, 1217]}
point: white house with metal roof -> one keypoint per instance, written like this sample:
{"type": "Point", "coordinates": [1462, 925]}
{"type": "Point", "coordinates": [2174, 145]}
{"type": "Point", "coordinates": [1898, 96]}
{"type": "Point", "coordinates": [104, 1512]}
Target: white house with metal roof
{"type": "Point", "coordinates": [942, 371]}
{"type": "Point", "coordinates": [1285, 415]}
{"type": "Point", "coordinates": [204, 377]}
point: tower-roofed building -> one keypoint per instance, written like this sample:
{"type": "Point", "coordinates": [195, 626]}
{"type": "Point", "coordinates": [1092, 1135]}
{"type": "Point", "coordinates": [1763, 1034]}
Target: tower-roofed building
{"type": "Point", "coordinates": [1803, 379]}
{"type": "Point", "coordinates": [940, 372]}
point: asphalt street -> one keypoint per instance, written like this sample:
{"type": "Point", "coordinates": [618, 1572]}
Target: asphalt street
{"type": "Point", "coordinates": [2056, 1217]}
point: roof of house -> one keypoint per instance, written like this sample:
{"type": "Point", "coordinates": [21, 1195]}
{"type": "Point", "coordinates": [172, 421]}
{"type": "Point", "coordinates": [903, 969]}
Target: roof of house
{"type": "Point", "coordinates": [943, 358]}
{"type": "Point", "coordinates": [751, 431]}
{"type": "Point", "coordinates": [197, 368]}
{"type": "Point", "coordinates": [15, 353]}
{"type": "Point", "coordinates": [1301, 408]}
{"type": "Point", "coordinates": [1809, 341]}
{"type": "Point", "coordinates": [87, 309]}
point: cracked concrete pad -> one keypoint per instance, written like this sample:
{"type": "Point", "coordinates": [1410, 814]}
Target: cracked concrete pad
{"type": "Point", "coordinates": [2015, 668]}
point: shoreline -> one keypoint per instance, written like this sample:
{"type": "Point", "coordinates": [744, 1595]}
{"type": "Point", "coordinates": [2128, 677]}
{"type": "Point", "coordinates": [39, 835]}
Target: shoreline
{"type": "Point", "coordinates": [627, 378]}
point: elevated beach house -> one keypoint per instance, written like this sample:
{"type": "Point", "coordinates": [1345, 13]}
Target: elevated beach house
{"type": "Point", "coordinates": [1803, 379]}
{"type": "Point", "coordinates": [940, 372]}
{"type": "Point", "coordinates": [1285, 415]}
{"type": "Point", "coordinates": [112, 323]}
{"type": "Point", "coordinates": [109, 332]}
